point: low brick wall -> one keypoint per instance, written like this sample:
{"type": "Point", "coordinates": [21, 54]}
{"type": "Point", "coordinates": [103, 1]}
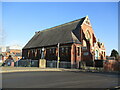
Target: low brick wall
{"type": "Point", "coordinates": [112, 65]}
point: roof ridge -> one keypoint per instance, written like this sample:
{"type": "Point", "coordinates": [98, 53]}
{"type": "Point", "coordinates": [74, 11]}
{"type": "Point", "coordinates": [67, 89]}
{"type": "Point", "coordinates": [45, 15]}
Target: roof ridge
{"type": "Point", "coordinates": [61, 25]}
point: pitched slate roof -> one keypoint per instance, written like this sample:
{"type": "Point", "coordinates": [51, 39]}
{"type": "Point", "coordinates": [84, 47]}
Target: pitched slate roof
{"type": "Point", "coordinates": [65, 33]}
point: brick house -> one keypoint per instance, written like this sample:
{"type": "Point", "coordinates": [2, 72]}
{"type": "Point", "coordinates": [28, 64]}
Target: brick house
{"type": "Point", "coordinates": [77, 43]}
{"type": "Point", "coordinates": [15, 54]}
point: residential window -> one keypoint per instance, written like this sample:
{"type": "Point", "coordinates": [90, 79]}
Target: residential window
{"type": "Point", "coordinates": [96, 54]}
{"type": "Point", "coordinates": [66, 50]}
{"type": "Point", "coordinates": [28, 53]}
{"type": "Point", "coordinates": [34, 50]}
{"type": "Point", "coordinates": [40, 50]}
{"type": "Point", "coordinates": [78, 51]}
{"type": "Point", "coordinates": [87, 22]}
{"type": "Point", "coordinates": [36, 53]}
{"type": "Point", "coordinates": [104, 54]}
{"type": "Point", "coordinates": [53, 50]}
{"type": "Point", "coordinates": [50, 50]}
{"type": "Point", "coordinates": [62, 49]}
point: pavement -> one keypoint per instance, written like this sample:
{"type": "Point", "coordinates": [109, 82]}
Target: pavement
{"type": "Point", "coordinates": [28, 69]}
{"type": "Point", "coordinates": [25, 69]}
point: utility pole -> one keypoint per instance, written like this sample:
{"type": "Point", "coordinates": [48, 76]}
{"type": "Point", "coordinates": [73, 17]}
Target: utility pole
{"type": "Point", "coordinates": [58, 56]}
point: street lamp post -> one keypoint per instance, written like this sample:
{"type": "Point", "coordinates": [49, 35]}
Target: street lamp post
{"type": "Point", "coordinates": [42, 61]}
{"type": "Point", "coordinates": [42, 56]}
{"type": "Point", "coordinates": [58, 56]}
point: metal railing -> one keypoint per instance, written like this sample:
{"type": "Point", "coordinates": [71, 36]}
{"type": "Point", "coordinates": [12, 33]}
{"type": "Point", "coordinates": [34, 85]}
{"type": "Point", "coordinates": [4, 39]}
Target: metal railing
{"type": "Point", "coordinates": [49, 64]}
{"type": "Point", "coordinates": [62, 64]}
{"type": "Point", "coordinates": [99, 65]}
{"type": "Point", "coordinates": [27, 63]}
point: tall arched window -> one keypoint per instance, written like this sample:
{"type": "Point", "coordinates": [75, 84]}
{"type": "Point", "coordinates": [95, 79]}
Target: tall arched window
{"type": "Point", "coordinates": [88, 36]}
{"type": "Point", "coordinates": [104, 54]}
{"type": "Point", "coordinates": [96, 54]}
{"type": "Point", "coordinates": [84, 43]}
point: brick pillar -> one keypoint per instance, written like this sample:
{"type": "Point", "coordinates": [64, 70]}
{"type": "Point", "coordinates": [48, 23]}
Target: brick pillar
{"type": "Point", "coordinates": [73, 56]}
{"type": "Point", "coordinates": [12, 64]}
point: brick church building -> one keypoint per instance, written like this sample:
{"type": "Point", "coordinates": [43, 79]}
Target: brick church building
{"type": "Point", "coordinates": [77, 43]}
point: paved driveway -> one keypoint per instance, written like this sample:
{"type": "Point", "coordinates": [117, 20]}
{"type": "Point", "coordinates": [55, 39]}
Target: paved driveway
{"type": "Point", "coordinates": [59, 80]}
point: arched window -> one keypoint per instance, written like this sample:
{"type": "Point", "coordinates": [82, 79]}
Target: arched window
{"type": "Point", "coordinates": [104, 54]}
{"type": "Point", "coordinates": [84, 43]}
{"type": "Point", "coordinates": [88, 36]}
{"type": "Point", "coordinates": [78, 48]}
{"type": "Point", "coordinates": [96, 54]}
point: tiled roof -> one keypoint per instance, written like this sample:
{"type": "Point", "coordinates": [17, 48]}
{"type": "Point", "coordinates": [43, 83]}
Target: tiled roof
{"type": "Point", "coordinates": [65, 33]}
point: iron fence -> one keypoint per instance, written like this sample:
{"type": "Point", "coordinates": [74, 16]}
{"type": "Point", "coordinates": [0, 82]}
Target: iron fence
{"type": "Point", "coordinates": [27, 63]}
{"type": "Point", "coordinates": [49, 64]}
{"type": "Point", "coordinates": [62, 64]}
{"type": "Point", "coordinates": [99, 65]}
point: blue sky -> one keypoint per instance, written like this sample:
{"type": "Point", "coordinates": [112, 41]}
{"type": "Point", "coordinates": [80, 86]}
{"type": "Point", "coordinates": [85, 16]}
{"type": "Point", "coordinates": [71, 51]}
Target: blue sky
{"type": "Point", "coordinates": [22, 19]}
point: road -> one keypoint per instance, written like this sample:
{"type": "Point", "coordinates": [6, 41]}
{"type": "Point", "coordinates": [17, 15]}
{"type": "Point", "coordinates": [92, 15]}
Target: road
{"type": "Point", "coordinates": [59, 80]}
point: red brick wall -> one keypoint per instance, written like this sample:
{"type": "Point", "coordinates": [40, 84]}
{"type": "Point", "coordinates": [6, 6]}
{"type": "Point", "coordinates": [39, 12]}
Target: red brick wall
{"type": "Point", "coordinates": [51, 53]}
{"type": "Point", "coordinates": [93, 40]}
{"type": "Point", "coordinates": [112, 65]}
{"type": "Point", "coordinates": [75, 54]}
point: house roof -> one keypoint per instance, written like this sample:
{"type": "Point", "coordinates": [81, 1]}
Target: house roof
{"type": "Point", "coordinates": [18, 54]}
{"type": "Point", "coordinates": [65, 33]}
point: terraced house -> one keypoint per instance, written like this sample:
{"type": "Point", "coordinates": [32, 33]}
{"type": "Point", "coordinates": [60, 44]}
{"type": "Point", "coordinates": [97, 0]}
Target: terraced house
{"type": "Point", "coordinates": [77, 43]}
